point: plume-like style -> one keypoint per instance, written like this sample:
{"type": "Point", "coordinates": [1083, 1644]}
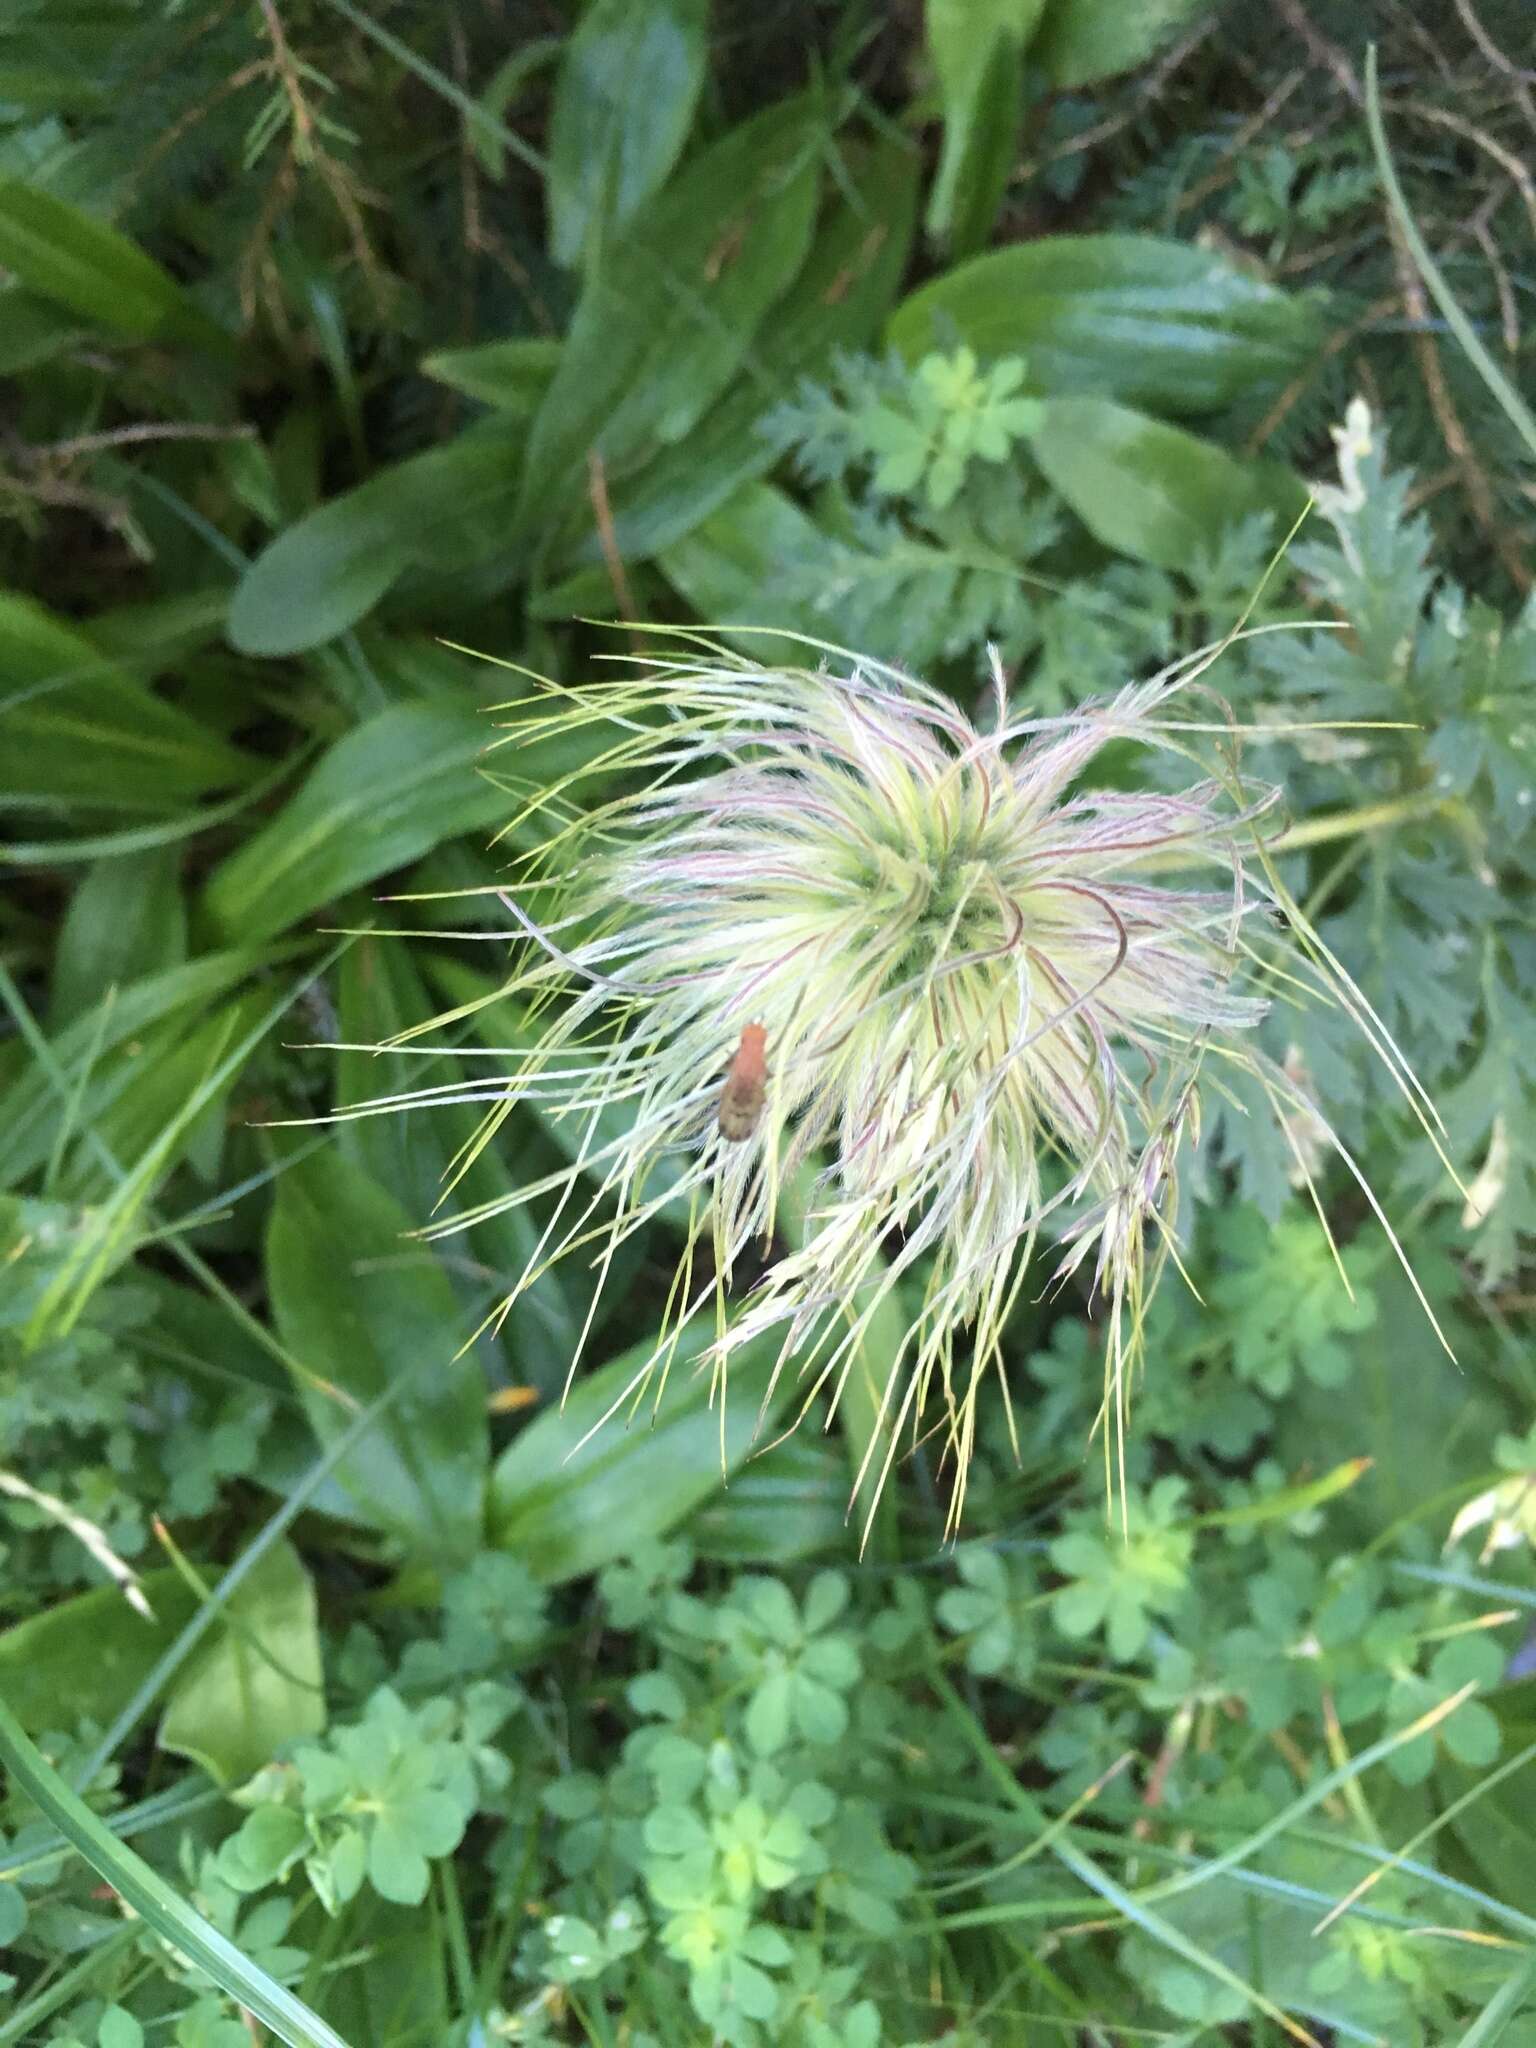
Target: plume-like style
{"type": "Point", "coordinates": [990, 993]}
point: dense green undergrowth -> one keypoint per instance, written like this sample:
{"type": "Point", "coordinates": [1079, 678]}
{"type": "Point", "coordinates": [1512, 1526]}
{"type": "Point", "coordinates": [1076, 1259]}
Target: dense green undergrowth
{"type": "Point", "coordinates": [346, 1690]}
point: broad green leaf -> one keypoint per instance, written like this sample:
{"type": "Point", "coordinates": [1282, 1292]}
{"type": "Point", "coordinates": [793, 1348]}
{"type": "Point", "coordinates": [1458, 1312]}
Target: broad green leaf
{"type": "Point", "coordinates": [323, 574]}
{"type": "Point", "coordinates": [1082, 41]}
{"type": "Point", "coordinates": [401, 1971]}
{"type": "Point", "coordinates": [258, 1683]}
{"type": "Point", "coordinates": [624, 102]}
{"type": "Point", "coordinates": [837, 301]}
{"type": "Point", "coordinates": [380, 797]}
{"type": "Point", "coordinates": [977, 47]}
{"type": "Point", "coordinates": [1155, 323]}
{"type": "Point", "coordinates": [1149, 490]}
{"type": "Point", "coordinates": [381, 994]}
{"type": "Point", "coordinates": [37, 1237]}
{"type": "Point", "coordinates": [1419, 1448]}
{"type": "Point", "coordinates": [360, 1305]}
{"type": "Point", "coordinates": [668, 315]}
{"type": "Point", "coordinates": [84, 1658]}
{"type": "Point", "coordinates": [727, 566]}
{"type": "Point", "coordinates": [76, 728]}
{"type": "Point", "coordinates": [56, 249]}
{"type": "Point", "coordinates": [512, 376]}
{"type": "Point", "coordinates": [565, 1511]}
{"type": "Point", "coordinates": [1494, 1831]}
{"type": "Point", "coordinates": [788, 1503]}
{"type": "Point", "coordinates": [126, 920]}
{"type": "Point", "coordinates": [160, 632]}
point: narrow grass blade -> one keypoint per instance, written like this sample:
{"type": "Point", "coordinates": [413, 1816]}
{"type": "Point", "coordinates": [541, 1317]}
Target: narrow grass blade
{"type": "Point", "coordinates": [1492, 2021]}
{"type": "Point", "coordinates": [1515, 407]}
{"type": "Point", "coordinates": [153, 1899]}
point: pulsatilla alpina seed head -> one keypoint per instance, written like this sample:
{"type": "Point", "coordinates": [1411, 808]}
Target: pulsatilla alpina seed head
{"type": "Point", "coordinates": [989, 988]}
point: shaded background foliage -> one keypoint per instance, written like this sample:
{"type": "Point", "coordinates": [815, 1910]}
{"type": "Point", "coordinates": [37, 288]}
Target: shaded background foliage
{"type": "Point", "coordinates": [337, 337]}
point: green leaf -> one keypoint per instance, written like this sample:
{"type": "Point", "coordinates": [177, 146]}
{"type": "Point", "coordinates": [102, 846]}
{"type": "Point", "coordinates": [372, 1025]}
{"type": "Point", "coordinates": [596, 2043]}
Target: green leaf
{"type": "Point", "coordinates": [55, 249]}
{"type": "Point", "coordinates": [512, 376]}
{"type": "Point", "coordinates": [1149, 490]}
{"type": "Point", "coordinates": [362, 1308]}
{"type": "Point", "coordinates": [977, 47]}
{"type": "Point", "coordinates": [728, 566]}
{"type": "Point", "coordinates": [257, 1685]}
{"type": "Point", "coordinates": [126, 920]}
{"type": "Point", "coordinates": [157, 1125]}
{"type": "Point", "coordinates": [119, 2029]}
{"type": "Point", "coordinates": [1082, 41]}
{"type": "Point", "coordinates": [623, 106]}
{"type": "Point", "coordinates": [566, 1512]}
{"type": "Point", "coordinates": [1152, 322]}
{"type": "Point", "coordinates": [156, 1081]}
{"type": "Point", "coordinates": [790, 1502]}
{"type": "Point", "coordinates": [836, 302]}
{"type": "Point", "coordinates": [1493, 1832]}
{"type": "Point", "coordinates": [1421, 1448]}
{"type": "Point", "coordinates": [13, 1913]}
{"type": "Point", "coordinates": [82, 1658]}
{"type": "Point", "coordinates": [380, 797]}
{"type": "Point", "coordinates": [323, 574]}
{"type": "Point", "coordinates": [670, 312]}
{"type": "Point", "coordinates": [76, 728]}
{"type": "Point", "coordinates": [381, 995]}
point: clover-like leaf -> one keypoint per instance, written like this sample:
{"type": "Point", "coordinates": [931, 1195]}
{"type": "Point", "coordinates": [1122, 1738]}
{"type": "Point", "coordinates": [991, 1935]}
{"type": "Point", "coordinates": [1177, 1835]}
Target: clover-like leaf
{"type": "Point", "coordinates": [1117, 1584]}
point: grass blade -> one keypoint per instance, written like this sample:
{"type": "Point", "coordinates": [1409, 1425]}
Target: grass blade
{"type": "Point", "coordinates": [153, 1899]}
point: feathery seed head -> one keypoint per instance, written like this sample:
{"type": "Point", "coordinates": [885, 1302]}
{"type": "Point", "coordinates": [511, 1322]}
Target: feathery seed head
{"type": "Point", "coordinates": [956, 989]}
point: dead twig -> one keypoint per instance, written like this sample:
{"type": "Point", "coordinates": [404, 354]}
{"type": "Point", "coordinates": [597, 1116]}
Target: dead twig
{"type": "Point", "coordinates": [1439, 117]}
{"type": "Point", "coordinates": [1255, 125]}
{"type": "Point", "coordinates": [1520, 81]}
{"type": "Point", "coordinates": [1149, 88]}
{"type": "Point", "coordinates": [127, 437]}
{"type": "Point", "coordinates": [1322, 51]}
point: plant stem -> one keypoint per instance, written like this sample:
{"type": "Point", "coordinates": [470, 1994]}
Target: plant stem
{"type": "Point", "coordinates": [1397, 810]}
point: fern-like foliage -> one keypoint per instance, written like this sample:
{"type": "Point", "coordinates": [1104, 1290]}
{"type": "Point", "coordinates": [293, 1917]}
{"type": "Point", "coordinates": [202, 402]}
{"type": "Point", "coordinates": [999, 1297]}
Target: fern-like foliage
{"type": "Point", "coordinates": [1433, 908]}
